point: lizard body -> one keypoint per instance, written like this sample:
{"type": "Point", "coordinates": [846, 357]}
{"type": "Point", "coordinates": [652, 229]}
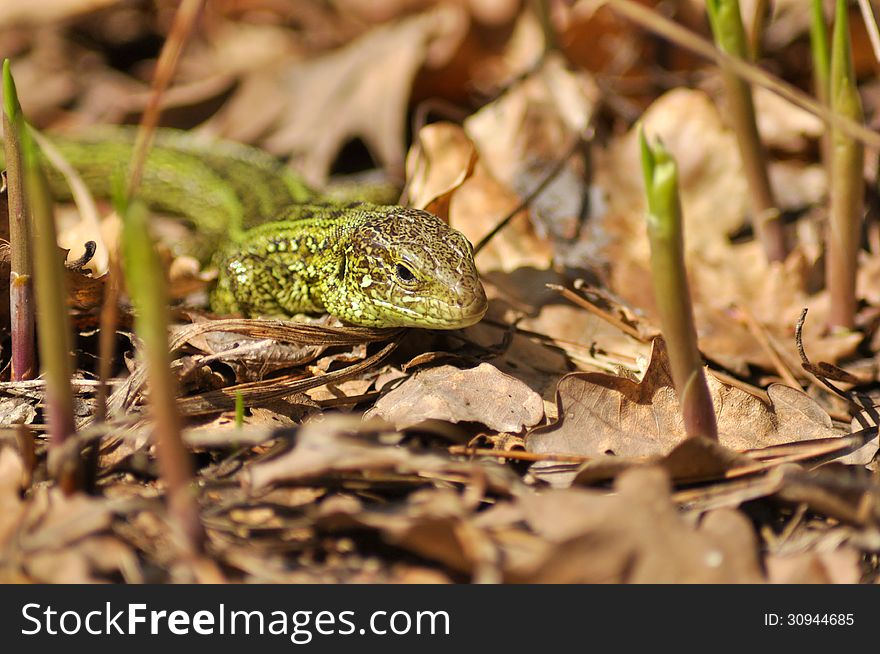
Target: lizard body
{"type": "Point", "coordinates": [282, 249]}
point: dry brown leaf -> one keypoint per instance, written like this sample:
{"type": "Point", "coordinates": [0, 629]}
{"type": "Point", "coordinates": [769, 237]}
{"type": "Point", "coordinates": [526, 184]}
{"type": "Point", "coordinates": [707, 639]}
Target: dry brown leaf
{"type": "Point", "coordinates": [94, 560]}
{"type": "Point", "coordinates": [783, 125]}
{"type": "Point", "coordinates": [47, 11]}
{"type": "Point", "coordinates": [520, 137]}
{"type": "Point", "coordinates": [603, 414]}
{"type": "Point", "coordinates": [16, 411]}
{"type": "Point", "coordinates": [343, 444]}
{"type": "Point", "coordinates": [482, 394]}
{"type": "Point", "coordinates": [840, 566]}
{"type": "Point", "coordinates": [441, 159]}
{"type": "Point", "coordinates": [435, 524]}
{"type": "Point", "coordinates": [311, 109]}
{"type": "Point", "coordinates": [637, 536]}
{"type": "Point", "coordinates": [253, 358]}
{"type": "Point", "coordinates": [11, 506]}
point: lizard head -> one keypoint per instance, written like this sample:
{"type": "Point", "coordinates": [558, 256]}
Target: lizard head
{"type": "Point", "coordinates": [406, 268]}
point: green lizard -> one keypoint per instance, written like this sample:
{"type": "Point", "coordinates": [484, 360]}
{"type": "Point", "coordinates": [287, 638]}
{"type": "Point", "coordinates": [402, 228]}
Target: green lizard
{"type": "Point", "coordinates": [280, 248]}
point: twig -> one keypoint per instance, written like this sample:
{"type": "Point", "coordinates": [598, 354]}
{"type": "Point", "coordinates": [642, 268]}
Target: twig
{"type": "Point", "coordinates": [518, 455]}
{"type": "Point", "coordinates": [183, 23]}
{"type": "Point", "coordinates": [760, 333]}
{"type": "Point", "coordinates": [608, 317]}
{"type": "Point", "coordinates": [549, 177]}
{"type": "Point", "coordinates": [871, 26]}
{"type": "Point", "coordinates": [856, 401]}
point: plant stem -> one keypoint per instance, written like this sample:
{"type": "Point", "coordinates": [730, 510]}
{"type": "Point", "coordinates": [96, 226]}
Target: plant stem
{"type": "Point", "coordinates": [847, 180]}
{"type": "Point", "coordinates": [53, 321]}
{"type": "Point", "coordinates": [730, 38]}
{"type": "Point", "coordinates": [760, 18]}
{"type": "Point", "coordinates": [820, 50]}
{"type": "Point", "coordinates": [671, 290]}
{"type": "Point", "coordinates": [145, 279]}
{"type": "Point", "coordinates": [21, 294]}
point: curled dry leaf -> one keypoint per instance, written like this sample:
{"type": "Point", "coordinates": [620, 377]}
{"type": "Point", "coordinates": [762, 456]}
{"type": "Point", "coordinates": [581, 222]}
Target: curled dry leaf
{"type": "Point", "coordinates": [441, 159]}
{"type": "Point", "coordinates": [483, 394]}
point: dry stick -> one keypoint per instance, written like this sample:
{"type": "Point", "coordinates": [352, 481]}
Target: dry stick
{"type": "Point", "coordinates": [683, 37]}
{"type": "Point", "coordinates": [760, 334]}
{"type": "Point", "coordinates": [856, 401]}
{"type": "Point", "coordinates": [608, 317]}
{"type": "Point", "coordinates": [21, 291]}
{"type": "Point", "coordinates": [541, 9]}
{"type": "Point", "coordinates": [871, 27]}
{"type": "Point", "coordinates": [108, 321]}
{"type": "Point", "coordinates": [549, 177]}
{"type": "Point", "coordinates": [184, 20]}
{"type": "Point", "coordinates": [518, 455]}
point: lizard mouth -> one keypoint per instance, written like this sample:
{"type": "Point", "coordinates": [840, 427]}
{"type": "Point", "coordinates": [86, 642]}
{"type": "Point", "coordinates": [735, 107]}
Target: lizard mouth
{"type": "Point", "coordinates": [466, 306]}
{"type": "Point", "coordinates": [469, 309]}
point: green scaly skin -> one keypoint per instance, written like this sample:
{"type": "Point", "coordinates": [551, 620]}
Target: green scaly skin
{"type": "Point", "coordinates": [280, 248]}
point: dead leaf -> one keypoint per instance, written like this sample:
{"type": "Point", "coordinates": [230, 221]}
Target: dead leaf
{"type": "Point", "coordinates": [17, 411]}
{"type": "Point", "coordinates": [783, 125]}
{"type": "Point", "coordinates": [520, 137]}
{"type": "Point", "coordinates": [11, 507]}
{"type": "Point", "coordinates": [482, 394]}
{"type": "Point", "coordinates": [441, 159]}
{"type": "Point", "coordinates": [840, 566]}
{"type": "Point", "coordinates": [360, 91]}
{"type": "Point", "coordinates": [47, 11]}
{"type": "Point", "coordinates": [637, 536]}
{"type": "Point", "coordinates": [343, 444]}
{"type": "Point", "coordinates": [603, 414]}
{"type": "Point", "coordinates": [435, 524]}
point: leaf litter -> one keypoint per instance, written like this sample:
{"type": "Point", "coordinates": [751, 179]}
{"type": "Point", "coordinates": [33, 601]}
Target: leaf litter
{"type": "Point", "coordinates": [542, 445]}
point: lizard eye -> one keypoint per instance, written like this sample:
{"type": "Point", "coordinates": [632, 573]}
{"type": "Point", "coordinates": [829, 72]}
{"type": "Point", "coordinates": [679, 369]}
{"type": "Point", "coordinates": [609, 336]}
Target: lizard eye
{"type": "Point", "coordinates": [404, 274]}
